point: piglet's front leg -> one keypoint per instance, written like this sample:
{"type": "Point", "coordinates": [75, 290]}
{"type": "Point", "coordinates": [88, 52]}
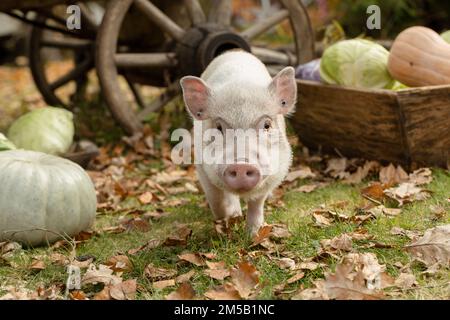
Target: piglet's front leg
{"type": "Point", "coordinates": [255, 214]}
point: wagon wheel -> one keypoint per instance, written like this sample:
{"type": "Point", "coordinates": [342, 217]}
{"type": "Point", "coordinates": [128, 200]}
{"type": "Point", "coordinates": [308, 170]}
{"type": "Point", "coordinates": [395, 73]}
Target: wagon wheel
{"type": "Point", "coordinates": [188, 50]}
{"type": "Point", "coordinates": [43, 43]}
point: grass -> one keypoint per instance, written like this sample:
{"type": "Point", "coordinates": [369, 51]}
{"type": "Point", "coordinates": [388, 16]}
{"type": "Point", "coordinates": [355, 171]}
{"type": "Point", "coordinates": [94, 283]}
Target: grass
{"type": "Point", "coordinates": [303, 243]}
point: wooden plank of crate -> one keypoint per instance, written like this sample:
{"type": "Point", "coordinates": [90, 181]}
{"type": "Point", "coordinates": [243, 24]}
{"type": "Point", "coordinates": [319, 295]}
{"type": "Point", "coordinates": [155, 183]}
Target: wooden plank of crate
{"type": "Point", "coordinates": [358, 123]}
{"type": "Point", "coordinates": [426, 113]}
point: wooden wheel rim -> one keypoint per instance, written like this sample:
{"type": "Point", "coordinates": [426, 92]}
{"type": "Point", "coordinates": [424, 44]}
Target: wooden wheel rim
{"type": "Point", "coordinates": [106, 68]}
{"type": "Point", "coordinates": [38, 71]}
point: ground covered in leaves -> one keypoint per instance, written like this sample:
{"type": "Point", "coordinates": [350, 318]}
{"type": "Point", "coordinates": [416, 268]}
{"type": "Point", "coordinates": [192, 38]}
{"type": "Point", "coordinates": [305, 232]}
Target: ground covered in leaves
{"type": "Point", "coordinates": [337, 228]}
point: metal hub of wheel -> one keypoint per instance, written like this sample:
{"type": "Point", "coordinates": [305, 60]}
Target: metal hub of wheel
{"type": "Point", "coordinates": [188, 40]}
{"type": "Point", "coordinates": [202, 44]}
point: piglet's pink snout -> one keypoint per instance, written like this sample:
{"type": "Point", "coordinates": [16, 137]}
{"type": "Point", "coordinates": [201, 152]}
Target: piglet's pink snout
{"type": "Point", "coordinates": [241, 177]}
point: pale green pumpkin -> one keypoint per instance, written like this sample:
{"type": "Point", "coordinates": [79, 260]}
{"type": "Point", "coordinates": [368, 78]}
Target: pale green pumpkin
{"type": "Point", "coordinates": [43, 197]}
{"type": "Point", "coordinates": [48, 130]}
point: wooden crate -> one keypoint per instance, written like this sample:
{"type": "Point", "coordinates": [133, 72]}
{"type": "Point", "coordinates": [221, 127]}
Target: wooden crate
{"type": "Point", "coordinates": [409, 127]}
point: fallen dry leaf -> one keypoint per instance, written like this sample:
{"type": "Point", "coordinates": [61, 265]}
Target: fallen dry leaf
{"type": "Point", "coordinates": [342, 286]}
{"type": "Point", "coordinates": [295, 277]}
{"type": "Point", "coordinates": [123, 291]}
{"type": "Point", "coordinates": [405, 281]}
{"type": "Point", "coordinates": [324, 217]}
{"type": "Point", "coordinates": [217, 270]}
{"type": "Point", "coordinates": [371, 269]}
{"type": "Point", "coordinates": [306, 188]}
{"type": "Point", "coordinates": [381, 210]}
{"type": "Point", "coordinates": [339, 243]}
{"type": "Point", "coordinates": [224, 292]}
{"type": "Point", "coordinates": [362, 172]}
{"type": "Point", "coordinates": [336, 168]}
{"type": "Point", "coordinates": [360, 234]}
{"type": "Point", "coordinates": [77, 295]}
{"type": "Point", "coordinates": [225, 226]}
{"type": "Point", "coordinates": [315, 293]}
{"type": "Point", "coordinates": [263, 233]}
{"type": "Point", "coordinates": [184, 292]}
{"type": "Point", "coordinates": [37, 265]}
{"type": "Point", "coordinates": [163, 284]}
{"type": "Point", "coordinates": [309, 265]}
{"type": "Point", "coordinates": [103, 274]}
{"type": "Point", "coordinates": [245, 278]}
{"type": "Point", "coordinates": [84, 236]}
{"type": "Point", "coordinates": [185, 277]}
{"type": "Point", "coordinates": [59, 259]}
{"type": "Point", "coordinates": [321, 218]}
{"type": "Point", "coordinates": [413, 235]}
{"type": "Point", "coordinates": [302, 173]}
{"type": "Point", "coordinates": [113, 229]}
{"type": "Point", "coordinates": [421, 176]}
{"type": "Point", "coordinates": [7, 248]}
{"type": "Point", "coordinates": [208, 255]}
{"type": "Point", "coordinates": [433, 247]}
{"type": "Point", "coordinates": [407, 192]}
{"type": "Point", "coordinates": [82, 262]}
{"type": "Point", "coordinates": [137, 224]}
{"type": "Point", "coordinates": [103, 295]}
{"type": "Point", "coordinates": [285, 263]}
{"type": "Point", "coordinates": [191, 188]}
{"type": "Point", "coordinates": [119, 263]}
{"type": "Point", "coordinates": [180, 237]}
{"type": "Point", "coordinates": [193, 258]}
{"type": "Point", "coordinates": [146, 197]}
{"type": "Point", "coordinates": [279, 231]}
{"type": "Point", "coordinates": [374, 191]}
{"type": "Point", "coordinates": [218, 274]}
{"type": "Point", "coordinates": [392, 175]}
{"type": "Point", "coordinates": [156, 273]}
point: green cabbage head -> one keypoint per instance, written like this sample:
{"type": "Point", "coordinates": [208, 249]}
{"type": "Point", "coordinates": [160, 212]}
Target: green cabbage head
{"type": "Point", "coordinates": [49, 130]}
{"type": "Point", "coordinates": [5, 144]}
{"type": "Point", "coordinates": [356, 63]}
{"type": "Point", "coordinates": [446, 36]}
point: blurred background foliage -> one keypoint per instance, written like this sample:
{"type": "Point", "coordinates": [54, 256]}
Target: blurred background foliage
{"type": "Point", "coordinates": [396, 15]}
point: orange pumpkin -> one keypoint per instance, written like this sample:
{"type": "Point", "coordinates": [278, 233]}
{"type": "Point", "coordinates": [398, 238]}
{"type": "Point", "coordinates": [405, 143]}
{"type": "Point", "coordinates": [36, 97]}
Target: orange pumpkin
{"type": "Point", "coordinates": [420, 57]}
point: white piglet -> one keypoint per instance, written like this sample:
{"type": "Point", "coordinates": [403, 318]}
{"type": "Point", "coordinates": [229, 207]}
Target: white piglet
{"type": "Point", "coordinates": [236, 100]}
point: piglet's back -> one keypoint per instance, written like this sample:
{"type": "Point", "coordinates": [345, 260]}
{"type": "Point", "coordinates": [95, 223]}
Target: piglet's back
{"type": "Point", "coordinates": [236, 66]}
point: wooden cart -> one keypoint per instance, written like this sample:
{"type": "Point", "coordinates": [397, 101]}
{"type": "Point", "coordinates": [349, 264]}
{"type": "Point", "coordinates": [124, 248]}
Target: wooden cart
{"type": "Point", "coordinates": [152, 43]}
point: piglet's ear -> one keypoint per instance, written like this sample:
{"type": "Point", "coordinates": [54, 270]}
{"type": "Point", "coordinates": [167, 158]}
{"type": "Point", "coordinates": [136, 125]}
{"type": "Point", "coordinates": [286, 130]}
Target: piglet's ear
{"type": "Point", "coordinates": [196, 96]}
{"type": "Point", "coordinates": [284, 88]}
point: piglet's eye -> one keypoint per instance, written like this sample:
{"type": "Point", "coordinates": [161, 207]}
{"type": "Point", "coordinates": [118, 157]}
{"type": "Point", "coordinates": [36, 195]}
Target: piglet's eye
{"type": "Point", "coordinates": [267, 125]}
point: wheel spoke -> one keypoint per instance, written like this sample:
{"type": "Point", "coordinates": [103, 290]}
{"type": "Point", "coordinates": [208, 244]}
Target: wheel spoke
{"type": "Point", "coordinates": [87, 16]}
{"type": "Point", "coordinates": [160, 19]}
{"type": "Point", "coordinates": [136, 92]}
{"type": "Point", "coordinates": [78, 71]}
{"type": "Point", "coordinates": [269, 56]}
{"type": "Point", "coordinates": [195, 11]}
{"type": "Point", "coordinates": [220, 12]}
{"type": "Point", "coordinates": [66, 43]}
{"type": "Point", "coordinates": [264, 25]}
{"type": "Point", "coordinates": [171, 92]}
{"type": "Point", "coordinates": [155, 60]}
